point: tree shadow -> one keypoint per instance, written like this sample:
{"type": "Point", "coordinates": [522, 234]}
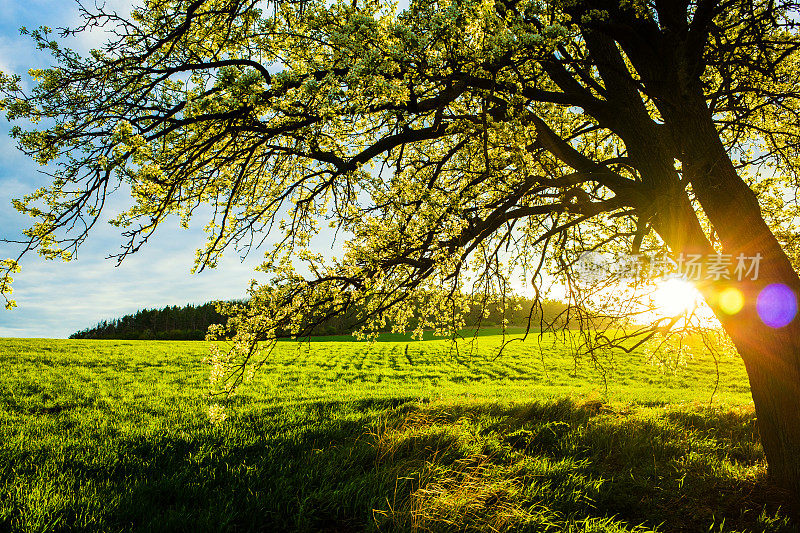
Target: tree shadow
{"type": "Point", "coordinates": [397, 464]}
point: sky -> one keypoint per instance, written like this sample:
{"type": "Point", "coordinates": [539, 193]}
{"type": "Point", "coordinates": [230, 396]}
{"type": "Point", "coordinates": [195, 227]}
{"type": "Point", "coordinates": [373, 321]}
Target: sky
{"type": "Point", "coordinates": [55, 298]}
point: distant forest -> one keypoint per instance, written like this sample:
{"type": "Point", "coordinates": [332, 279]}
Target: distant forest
{"type": "Point", "coordinates": [191, 322]}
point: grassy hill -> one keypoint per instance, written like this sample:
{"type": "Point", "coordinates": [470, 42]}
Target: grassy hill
{"type": "Point", "coordinates": [334, 435]}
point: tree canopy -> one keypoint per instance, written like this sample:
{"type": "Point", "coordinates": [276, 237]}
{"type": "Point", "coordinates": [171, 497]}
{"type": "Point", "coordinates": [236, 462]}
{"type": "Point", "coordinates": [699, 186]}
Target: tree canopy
{"type": "Point", "coordinates": [451, 144]}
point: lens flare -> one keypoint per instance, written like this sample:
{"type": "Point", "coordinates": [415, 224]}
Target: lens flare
{"type": "Point", "coordinates": [776, 305]}
{"type": "Point", "coordinates": [731, 300]}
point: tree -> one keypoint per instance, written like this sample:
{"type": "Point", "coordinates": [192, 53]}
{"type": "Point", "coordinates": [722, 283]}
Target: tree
{"type": "Point", "coordinates": [452, 143]}
{"type": "Point", "coordinates": [170, 323]}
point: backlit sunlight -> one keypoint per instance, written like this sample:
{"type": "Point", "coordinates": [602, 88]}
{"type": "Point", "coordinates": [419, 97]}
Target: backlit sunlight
{"type": "Point", "coordinates": [674, 297]}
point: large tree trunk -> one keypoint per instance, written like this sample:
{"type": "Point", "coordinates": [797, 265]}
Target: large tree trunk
{"type": "Point", "coordinates": [771, 355]}
{"type": "Point", "coordinates": [771, 360]}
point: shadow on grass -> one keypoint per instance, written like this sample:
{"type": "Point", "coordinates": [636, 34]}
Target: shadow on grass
{"type": "Point", "coordinates": [398, 465]}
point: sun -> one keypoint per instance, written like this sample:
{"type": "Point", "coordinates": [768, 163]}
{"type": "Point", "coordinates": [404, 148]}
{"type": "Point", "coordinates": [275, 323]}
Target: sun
{"type": "Point", "coordinates": [675, 297]}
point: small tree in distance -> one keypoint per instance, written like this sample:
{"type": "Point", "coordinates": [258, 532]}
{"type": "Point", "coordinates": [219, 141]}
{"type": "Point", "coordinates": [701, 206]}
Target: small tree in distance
{"type": "Point", "coordinates": [454, 143]}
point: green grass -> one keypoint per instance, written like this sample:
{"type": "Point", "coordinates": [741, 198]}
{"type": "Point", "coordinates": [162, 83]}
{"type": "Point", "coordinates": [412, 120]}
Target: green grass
{"type": "Point", "coordinates": [386, 436]}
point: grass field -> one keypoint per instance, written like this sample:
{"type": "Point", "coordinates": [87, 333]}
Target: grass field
{"type": "Point", "coordinates": [343, 436]}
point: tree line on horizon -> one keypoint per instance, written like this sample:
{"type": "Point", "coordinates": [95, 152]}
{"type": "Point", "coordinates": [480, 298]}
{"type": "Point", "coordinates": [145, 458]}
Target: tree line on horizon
{"type": "Point", "coordinates": [190, 322]}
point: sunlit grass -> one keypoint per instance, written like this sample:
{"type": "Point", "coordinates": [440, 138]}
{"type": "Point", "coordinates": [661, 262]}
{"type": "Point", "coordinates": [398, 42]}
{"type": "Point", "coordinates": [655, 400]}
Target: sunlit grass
{"type": "Point", "coordinates": [390, 436]}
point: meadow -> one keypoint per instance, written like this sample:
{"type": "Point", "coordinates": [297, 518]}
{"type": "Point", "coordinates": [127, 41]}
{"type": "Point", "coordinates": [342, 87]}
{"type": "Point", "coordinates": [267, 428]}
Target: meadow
{"type": "Point", "coordinates": [397, 435]}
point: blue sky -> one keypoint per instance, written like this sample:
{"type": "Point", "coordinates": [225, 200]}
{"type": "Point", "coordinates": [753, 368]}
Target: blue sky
{"type": "Point", "coordinates": [56, 298]}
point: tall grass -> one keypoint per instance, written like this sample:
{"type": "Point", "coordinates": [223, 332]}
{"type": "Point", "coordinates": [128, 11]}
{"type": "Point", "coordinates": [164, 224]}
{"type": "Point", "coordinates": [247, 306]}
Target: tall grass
{"type": "Point", "coordinates": [393, 436]}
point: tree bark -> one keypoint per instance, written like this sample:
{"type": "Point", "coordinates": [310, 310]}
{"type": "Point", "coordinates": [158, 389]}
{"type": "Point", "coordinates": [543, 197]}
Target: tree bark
{"type": "Point", "coordinates": [771, 355]}
{"type": "Point", "coordinates": [667, 59]}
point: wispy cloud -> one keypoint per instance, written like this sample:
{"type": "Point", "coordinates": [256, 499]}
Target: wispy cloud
{"type": "Point", "coordinates": [56, 298]}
